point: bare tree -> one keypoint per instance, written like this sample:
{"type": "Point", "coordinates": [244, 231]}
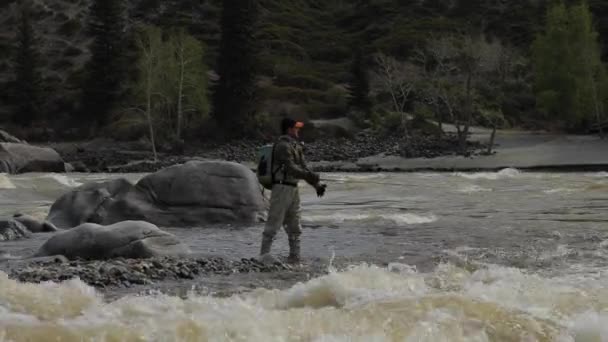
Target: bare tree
{"type": "Point", "coordinates": [398, 79]}
{"type": "Point", "coordinates": [186, 74]}
{"type": "Point", "coordinates": [454, 65]}
{"type": "Point", "coordinates": [150, 46]}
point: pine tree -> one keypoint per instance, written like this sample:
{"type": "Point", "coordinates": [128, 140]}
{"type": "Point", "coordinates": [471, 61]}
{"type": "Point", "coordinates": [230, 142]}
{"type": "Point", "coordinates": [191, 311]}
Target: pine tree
{"type": "Point", "coordinates": [105, 70]}
{"type": "Point", "coordinates": [28, 82]}
{"type": "Point", "coordinates": [360, 85]}
{"type": "Point", "coordinates": [235, 102]}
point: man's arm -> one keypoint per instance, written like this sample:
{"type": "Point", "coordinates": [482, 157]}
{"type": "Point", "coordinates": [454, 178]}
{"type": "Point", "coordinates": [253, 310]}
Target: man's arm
{"type": "Point", "coordinates": [284, 156]}
{"type": "Point", "coordinates": [312, 180]}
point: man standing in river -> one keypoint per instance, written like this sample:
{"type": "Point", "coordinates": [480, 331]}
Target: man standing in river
{"type": "Point", "coordinates": [288, 168]}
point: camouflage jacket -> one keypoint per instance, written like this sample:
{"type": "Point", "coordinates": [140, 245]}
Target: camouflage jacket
{"type": "Point", "coordinates": [288, 160]}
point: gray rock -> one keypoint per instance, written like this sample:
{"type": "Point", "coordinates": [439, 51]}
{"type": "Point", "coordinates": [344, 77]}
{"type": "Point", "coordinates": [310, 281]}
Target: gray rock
{"type": "Point", "coordinates": [79, 166]}
{"type": "Point", "coordinates": [69, 167]}
{"type": "Point", "coordinates": [20, 158]}
{"type": "Point", "coordinates": [6, 137]}
{"type": "Point", "coordinates": [34, 225]}
{"type": "Point", "coordinates": [12, 230]}
{"type": "Point", "coordinates": [128, 239]}
{"type": "Point", "coordinates": [269, 260]}
{"type": "Point", "coordinates": [186, 195]}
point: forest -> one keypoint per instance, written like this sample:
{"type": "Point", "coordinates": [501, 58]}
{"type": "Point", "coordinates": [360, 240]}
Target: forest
{"type": "Point", "coordinates": [184, 70]}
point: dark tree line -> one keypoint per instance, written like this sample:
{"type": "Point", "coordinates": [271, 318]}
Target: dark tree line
{"type": "Point", "coordinates": [107, 72]}
{"type": "Point", "coordinates": [238, 99]}
{"type": "Point", "coordinates": [27, 89]}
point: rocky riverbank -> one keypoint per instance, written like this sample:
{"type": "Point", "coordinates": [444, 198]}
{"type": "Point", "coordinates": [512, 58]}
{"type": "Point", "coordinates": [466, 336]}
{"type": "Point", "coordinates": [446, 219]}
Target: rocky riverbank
{"type": "Point", "coordinates": [126, 273]}
{"type": "Point", "coordinates": [110, 156]}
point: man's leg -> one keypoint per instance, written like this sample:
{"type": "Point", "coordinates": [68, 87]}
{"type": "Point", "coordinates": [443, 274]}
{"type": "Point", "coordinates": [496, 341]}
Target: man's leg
{"type": "Point", "coordinates": [280, 200]}
{"type": "Point", "coordinates": [293, 227]}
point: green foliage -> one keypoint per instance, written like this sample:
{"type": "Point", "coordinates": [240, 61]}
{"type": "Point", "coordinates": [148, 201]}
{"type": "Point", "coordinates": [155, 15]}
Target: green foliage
{"type": "Point", "coordinates": [106, 68]}
{"type": "Point", "coordinates": [301, 54]}
{"type": "Point", "coordinates": [70, 27]}
{"type": "Point", "coordinates": [235, 98]}
{"type": "Point", "coordinates": [27, 89]}
{"type": "Point", "coordinates": [171, 88]}
{"type": "Point", "coordinates": [568, 67]}
{"type": "Point", "coordinates": [186, 80]}
{"type": "Point", "coordinates": [360, 87]}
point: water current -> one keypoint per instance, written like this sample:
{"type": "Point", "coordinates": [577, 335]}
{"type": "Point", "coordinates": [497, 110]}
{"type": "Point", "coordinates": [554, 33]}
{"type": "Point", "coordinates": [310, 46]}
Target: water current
{"type": "Point", "coordinates": [504, 256]}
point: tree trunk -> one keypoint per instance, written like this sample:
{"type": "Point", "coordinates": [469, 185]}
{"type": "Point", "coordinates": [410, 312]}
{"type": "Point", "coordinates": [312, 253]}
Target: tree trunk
{"type": "Point", "coordinates": [180, 94]}
{"type": "Point", "coordinates": [149, 112]}
{"type": "Point", "coordinates": [469, 116]}
{"type": "Point", "coordinates": [492, 137]}
{"type": "Point", "coordinates": [439, 119]}
{"type": "Point", "coordinates": [405, 149]}
{"type": "Point", "coordinates": [598, 115]}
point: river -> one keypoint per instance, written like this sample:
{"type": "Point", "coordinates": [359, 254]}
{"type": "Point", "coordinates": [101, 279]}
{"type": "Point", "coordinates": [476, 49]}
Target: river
{"type": "Point", "coordinates": [501, 256]}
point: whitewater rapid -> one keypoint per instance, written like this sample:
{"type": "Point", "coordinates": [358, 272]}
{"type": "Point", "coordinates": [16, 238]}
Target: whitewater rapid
{"type": "Point", "coordinates": [362, 303]}
{"type": "Point", "coordinates": [504, 256]}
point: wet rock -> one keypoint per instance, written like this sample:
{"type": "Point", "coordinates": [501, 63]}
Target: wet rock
{"type": "Point", "coordinates": [129, 272]}
{"type": "Point", "coordinates": [192, 194]}
{"type": "Point", "coordinates": [21, 158]}
{"type": "Point", "coordinates": [79, 166]}
{"type": "Point", "coordinates": [6, 137]}
{"type": "Point", "coordinates": [34, 225]}
{"type": "Point", "coordinates": [12, 230]}
{"type": "Point", "coordinates": [131, 239]}
{"type": "Point", "coordinates": [324, 147]}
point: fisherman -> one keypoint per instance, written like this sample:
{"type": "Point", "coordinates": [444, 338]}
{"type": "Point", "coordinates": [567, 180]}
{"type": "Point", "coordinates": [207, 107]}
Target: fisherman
{"type": "Point", "coordinates": [289, 167]}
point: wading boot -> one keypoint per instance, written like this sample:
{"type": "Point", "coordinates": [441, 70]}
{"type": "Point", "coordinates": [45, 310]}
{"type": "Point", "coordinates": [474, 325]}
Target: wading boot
{"type": "Point", "coordinates": [294, 250]}
{"type": "Point", "coordinates": [266, 244]}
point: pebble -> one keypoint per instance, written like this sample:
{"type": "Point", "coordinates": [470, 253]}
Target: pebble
{"type": "Point", "coordinates": [364, 144]}
{"type": "Point", "coordinates": [129, 272]}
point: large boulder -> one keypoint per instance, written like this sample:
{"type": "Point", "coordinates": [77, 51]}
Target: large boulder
{"type": "Point", "coordinates": [186, 195]}
{"type": "Point", "coordinates": [127, 239]}
{"type": "Point", "coordinates": [12, 230]}
{"type": "Point", "coordinates": [20, 158]}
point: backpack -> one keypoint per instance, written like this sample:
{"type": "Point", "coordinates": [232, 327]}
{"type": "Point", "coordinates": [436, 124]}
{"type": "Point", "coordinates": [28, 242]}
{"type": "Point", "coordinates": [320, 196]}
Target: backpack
{"type": "Point", "coordinates": [265, 165]}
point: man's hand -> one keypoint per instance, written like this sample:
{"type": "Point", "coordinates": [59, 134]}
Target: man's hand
{"type": "Point", "coordinates": [321, 189]}
{"type": "Point", "coordinates": [313, 178]}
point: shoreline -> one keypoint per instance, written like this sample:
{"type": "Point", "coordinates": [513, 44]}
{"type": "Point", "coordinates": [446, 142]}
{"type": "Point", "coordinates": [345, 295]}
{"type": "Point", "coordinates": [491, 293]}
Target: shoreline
{"type": "Point", "coordinates": [526, 151]}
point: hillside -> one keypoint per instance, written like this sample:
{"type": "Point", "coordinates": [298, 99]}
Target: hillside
{"type": "Point", "coordinates": [305, 47]}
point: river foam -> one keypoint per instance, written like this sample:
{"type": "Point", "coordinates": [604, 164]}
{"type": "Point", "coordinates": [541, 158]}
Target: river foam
{"type": "Point", "coordinates": [362, 303]}
{"type": "Point", "coordinates": [502, 174]}
{"type": "Point", "coordinates": [5, 182]}
{"type": "Point", "coordinates": [394, 218]}
{"type": "Point", "coordinates": [63, 180]}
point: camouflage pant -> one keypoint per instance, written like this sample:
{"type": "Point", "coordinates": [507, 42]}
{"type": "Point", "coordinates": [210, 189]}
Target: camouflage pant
{"type": "Point", "coordinates": [284, 211]}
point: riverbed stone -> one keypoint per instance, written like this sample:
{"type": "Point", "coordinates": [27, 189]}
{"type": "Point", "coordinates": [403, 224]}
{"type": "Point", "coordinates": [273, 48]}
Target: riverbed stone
{"type": "Point", "coordinates": [12, 230]}
{"type": "Point", "coordinates": [21, 158]}
{"type": "Point", "coordinates": [186, 195]}
{"type": "Point", "coordinates": [33, 224]}
{"type": "Point", "coordinates": [129, 239]}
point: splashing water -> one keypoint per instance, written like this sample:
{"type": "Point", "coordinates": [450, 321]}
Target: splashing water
{"type": "Point", "coordinates": [505, 173]}
{"type": "Point", "coordinates": [63, 180]}
{"type": "Point", "coordinates": [394, 218]}
{"type": "Point", "coordinates": [5, 182]}
{"type": "Point", "coordinates": [362, 303]}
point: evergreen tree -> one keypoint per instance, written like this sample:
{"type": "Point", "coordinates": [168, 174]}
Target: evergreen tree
{"type": "Point", "coordinates": [568, 68]}
{"type": "Point", "coordinates": [28, 82]}
{"type": "Point", "coordinates": [235, 102]}
{"type": "Point", "coordinates": [106, 68]}
{"type": "Point", "coordinates": [360, 85]}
